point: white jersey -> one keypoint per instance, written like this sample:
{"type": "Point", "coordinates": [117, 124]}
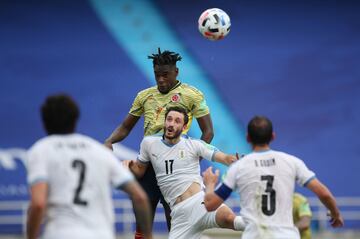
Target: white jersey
{"type": "Point", "coordinates": [80, 173]}
{"type": "Point", "coordinates": [176, 166]}
{"type": "Point", "coordinates": [265, 181]}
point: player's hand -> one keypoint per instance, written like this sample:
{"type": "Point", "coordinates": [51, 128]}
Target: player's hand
{"type": "Point", "coordinates": [239, 156]}
{"type": "Point", "coordinates": [108, 145]}
{"type": "Point", "coordinates": [231, 158]}
{"type": "Point", "coordinates": [336, 221]}
{"type": "Point", "coordinates": [210, 178]}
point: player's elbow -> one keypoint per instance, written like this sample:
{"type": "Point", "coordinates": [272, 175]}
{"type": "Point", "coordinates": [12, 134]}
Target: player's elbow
{"type": "Point", "coordinates": [38, 206]}
{"type": "Point", "coordinates": [209, 135]}
{"type": "Point", "coordinates": [210, 204]}
{"type": "Point", "coordinates": [210, 207]}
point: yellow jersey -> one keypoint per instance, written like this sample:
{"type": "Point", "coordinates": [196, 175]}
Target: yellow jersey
{"type": "Point", "coordinates": [301, 208]}
{"type": "Point", "coordinates": [153, 104]}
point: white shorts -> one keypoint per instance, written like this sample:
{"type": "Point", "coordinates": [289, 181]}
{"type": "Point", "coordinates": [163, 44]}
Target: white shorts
{"type": "Point", "coordinates": [190, 218]}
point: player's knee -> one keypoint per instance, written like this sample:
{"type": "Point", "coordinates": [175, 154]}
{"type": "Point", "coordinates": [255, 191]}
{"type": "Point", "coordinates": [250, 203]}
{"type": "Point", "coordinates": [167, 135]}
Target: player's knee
{"type": "Point", "coordinates": [229, 219]}
{"type": "Point", "coordinates": [225, 217]}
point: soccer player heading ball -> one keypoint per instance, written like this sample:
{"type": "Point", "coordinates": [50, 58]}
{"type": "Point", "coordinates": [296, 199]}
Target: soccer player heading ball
{"type": "Point", "coordinates": [152, 104]}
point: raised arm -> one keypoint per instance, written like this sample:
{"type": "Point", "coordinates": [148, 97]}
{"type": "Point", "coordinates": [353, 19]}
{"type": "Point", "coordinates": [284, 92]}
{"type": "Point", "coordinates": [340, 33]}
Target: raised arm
{"type": "Point", "coordinates": [211, 201]}
{"type": "Point", "coordinates": [141, 206]}
{"type": "Point", "coordinates": [328, 200]}
{"type": "Point", "coordinates": [206, 127]}
{"type": "Point", "coordinates": [122, 130]}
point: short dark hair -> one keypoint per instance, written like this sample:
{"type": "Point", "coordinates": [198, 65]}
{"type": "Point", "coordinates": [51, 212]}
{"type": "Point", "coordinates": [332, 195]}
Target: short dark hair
{"type": "Point", "coordinates": [180, 110]}
{"type": "Point", "coordinates": [165, 58]}
{"type": "Point", "coordinates": [260, 130]}
{"type": "Point", "coordinates": [59, 114]}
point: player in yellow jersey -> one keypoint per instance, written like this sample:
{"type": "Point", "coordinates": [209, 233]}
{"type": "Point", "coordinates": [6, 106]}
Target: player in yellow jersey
{"type": "Point", "coordinates": [152, 104]}
{"type": "Point", "coordinates": [302, 215]}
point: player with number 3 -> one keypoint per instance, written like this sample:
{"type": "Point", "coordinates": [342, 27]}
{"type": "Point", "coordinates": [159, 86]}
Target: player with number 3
{"type": "Point", "coordinates": [265, 180]}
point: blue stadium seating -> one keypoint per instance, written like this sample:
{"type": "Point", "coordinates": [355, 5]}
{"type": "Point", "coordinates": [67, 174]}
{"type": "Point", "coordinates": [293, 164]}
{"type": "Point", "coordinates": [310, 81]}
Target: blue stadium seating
{"type": "Point", "coordinates": [296, 62]}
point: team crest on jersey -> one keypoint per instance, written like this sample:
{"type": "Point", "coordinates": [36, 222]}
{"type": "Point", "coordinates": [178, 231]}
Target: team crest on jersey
{"type": "Point", "coordinates": [182, 154]}
{"type": "Point", "coordinates": [175, 98]}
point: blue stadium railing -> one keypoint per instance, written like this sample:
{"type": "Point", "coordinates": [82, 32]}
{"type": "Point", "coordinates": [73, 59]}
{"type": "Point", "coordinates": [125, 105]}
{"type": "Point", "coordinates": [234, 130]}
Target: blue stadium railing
{"type": "Point", "coordinates": [13, 215]}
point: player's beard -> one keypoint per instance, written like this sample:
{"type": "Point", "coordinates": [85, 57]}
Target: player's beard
{"type": "Point", "coordinates": [176, 133]}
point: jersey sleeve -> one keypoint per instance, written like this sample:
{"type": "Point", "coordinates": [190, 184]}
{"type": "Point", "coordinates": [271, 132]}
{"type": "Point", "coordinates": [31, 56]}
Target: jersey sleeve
{"type": "Point", "coordinates": [303, 174]}
{"type": "Point", "coordinates": [137, 108]}
{"type": "Point", "coordinates": [200, 107]}
{"type": "Point", "coordinates": [36, 166]}
{"type": "Point", "coordinates": [143, 156]}
{"type": "Point", "coordinates": [119, 175]}
{"type": "Point", "coordinates": [204, 150]}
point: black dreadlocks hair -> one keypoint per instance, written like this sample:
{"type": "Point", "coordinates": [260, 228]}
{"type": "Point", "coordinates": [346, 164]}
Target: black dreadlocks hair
{"type": "Point", "coordinates": [165, 58]}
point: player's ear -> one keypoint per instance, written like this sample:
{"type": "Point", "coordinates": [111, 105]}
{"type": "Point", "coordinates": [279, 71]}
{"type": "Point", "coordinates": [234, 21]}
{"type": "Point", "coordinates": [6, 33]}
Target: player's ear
{"type": "Point", "coordinates": [177, 71]}
{"type": "Point", "coordinates": [273, 136]}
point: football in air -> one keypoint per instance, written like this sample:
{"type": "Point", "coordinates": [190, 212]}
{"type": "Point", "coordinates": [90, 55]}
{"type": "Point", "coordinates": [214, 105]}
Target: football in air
{"type": "Point", "coordinates": [214, 24]}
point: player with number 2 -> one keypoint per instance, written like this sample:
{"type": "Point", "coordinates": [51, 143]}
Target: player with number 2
{"type": "Point", "coordinates": [70, 177]}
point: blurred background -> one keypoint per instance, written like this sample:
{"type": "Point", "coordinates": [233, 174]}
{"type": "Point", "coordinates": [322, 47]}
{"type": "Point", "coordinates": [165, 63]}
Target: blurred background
{"type": "Point", "coordinates": [297, 62]}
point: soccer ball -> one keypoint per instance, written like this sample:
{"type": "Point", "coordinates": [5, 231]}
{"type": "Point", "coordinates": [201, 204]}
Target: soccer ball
{"type": "Point", "coordinates": [214, 24]}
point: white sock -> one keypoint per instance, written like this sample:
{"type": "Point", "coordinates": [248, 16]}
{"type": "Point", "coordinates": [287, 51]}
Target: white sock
{"type": "Point", "coordinates": [239, 223]}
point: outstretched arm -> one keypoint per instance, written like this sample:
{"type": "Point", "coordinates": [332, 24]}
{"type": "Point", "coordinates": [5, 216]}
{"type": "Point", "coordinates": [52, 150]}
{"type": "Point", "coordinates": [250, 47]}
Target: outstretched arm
{"type": "Point", "coordinates": [226, 159]}
{"type": "Point", "coordinates": [206, 127]}
{"type": "Point", "coordinates": [142, 207]}
{"type": "Point", "coordinates": [328, 200]}
{"type": "Point", "coordinates": [122, 130]}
